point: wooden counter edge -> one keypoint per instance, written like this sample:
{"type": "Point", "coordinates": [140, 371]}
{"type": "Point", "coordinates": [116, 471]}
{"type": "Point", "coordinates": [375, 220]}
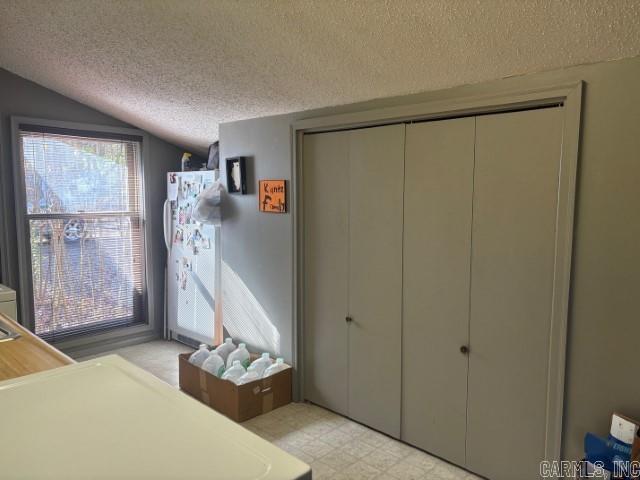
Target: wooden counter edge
{"type": "Point", "coordinates": [27, 353]}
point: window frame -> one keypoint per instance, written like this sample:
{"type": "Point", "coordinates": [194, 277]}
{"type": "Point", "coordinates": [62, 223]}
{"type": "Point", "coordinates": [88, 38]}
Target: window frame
{"type": "Point", "coordinates": [90, 341]}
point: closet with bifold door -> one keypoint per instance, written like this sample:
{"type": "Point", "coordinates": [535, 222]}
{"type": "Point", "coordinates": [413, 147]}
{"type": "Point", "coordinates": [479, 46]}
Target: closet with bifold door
{"type": "Point", "coordinates": [430, 262]}
{"type": "Point", "coordinates": [437, 252]}
{"type": "Point", "coordinates": [353, 196]}
{"type": "Point", "coordinates": [375, 276]}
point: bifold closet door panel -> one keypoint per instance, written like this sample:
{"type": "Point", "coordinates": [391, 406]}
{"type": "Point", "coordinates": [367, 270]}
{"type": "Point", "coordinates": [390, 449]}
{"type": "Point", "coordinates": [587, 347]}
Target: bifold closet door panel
{"type": "Point", "coordinates": [375, 276]}
{"type": "Point", "coordinates": [326, 241]}
{"type": "Point", "coordinates": [437, 249]}
{"type": "Point", "coordinates": [515, 208]}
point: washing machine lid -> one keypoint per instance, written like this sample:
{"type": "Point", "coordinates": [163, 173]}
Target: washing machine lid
{"type": "Point", "coordinates": [106, 418]}
{"type": "Point", "coordinates": [7, 294]}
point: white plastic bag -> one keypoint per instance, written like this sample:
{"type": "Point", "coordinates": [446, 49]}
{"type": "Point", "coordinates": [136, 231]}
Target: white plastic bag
{"type": "Point", "coordinates": [207, 207]}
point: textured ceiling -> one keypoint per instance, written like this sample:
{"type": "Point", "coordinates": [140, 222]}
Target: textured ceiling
{"type": "Point", "coordinates": [179, 68]}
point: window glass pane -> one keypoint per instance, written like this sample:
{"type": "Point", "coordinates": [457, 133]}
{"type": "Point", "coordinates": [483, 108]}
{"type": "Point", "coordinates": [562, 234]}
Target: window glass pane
{"type": "Point", "coordinates": [85, 232]}
{"type": "Point", "coordinates": [85, 272]}
{"type": "Point", "coordinates": [67, 174]}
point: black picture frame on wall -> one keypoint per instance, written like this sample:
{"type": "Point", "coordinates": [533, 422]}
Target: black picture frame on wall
{"type": "Point", "coordinates": [236, 175]}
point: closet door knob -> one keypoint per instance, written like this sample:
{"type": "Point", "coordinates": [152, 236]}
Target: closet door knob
{"type": "Point", "coordinates": [348, 319]}
{"type": "Point", "coordinates": [464, 350]}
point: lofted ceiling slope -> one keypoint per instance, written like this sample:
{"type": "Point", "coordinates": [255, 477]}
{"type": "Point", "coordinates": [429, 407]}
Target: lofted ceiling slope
{"type": "Point", "coordinates": [179, 68]}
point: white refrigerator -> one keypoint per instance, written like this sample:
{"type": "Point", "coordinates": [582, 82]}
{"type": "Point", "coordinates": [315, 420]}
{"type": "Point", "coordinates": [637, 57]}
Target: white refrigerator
{"type": "Point", "coordinates": [193, 263]}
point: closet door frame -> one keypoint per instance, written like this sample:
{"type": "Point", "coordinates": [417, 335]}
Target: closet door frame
{"type": "Point", "coordinates": [450, 106]}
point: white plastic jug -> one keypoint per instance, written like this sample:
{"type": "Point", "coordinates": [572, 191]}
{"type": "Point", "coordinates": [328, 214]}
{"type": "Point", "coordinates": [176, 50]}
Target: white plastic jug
{"type": "Point", "coordinates": [250, 376]}
{"type": "Point", "coordinates": [275, 368]}
{"type": "Point", "coordinates": [234, 372]}
{"type": "Point", "coordinates": [224, 349]}
{"type": "Point", "coordinates": [214, 365]}
{"type": "Point", "coordinates": [260, 365]}
{"type": "Point", "coordinates": [198, 357]}
{"type": "Point", "coordinates": [241, 354]}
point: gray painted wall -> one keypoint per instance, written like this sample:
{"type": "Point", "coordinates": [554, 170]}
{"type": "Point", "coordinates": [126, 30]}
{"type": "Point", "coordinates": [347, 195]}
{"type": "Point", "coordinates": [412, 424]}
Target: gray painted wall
{"type": "Point", "coordinates": [21, 97]}
{"type": "Point", "coordinates": [604, 325]}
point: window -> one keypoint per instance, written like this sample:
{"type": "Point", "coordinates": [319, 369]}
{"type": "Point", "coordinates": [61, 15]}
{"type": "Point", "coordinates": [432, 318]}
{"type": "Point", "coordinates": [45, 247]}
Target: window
{"type": "Point", "coordinates": [81, 200]}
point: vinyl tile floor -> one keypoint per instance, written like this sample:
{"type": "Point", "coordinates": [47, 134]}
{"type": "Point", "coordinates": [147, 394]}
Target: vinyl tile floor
{"type": "Point", "coordinates": [159, 357]}
{"type": "Point", "coordinates": [339, 449]}
{"type": "Point", "coordinates": [335, 447]}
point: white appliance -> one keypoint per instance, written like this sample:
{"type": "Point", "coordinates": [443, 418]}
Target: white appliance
{"type": "Point", "coordinates": [106, 418]}
{"type": "Point", "coordinates": [193, 265]}
{"type": "Point", "coordinates": [8, 302]}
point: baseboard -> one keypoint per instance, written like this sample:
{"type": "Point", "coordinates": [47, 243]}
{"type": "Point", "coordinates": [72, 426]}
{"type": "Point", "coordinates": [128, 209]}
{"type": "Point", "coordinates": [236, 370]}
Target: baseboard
{"type": "Point", "coordinates": [103, 346]}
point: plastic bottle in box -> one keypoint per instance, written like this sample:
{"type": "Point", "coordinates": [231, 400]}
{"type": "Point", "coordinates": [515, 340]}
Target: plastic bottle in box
{"type": "Point", "coordinates": [260, 365]}
{"type": "Point", "coordinates": [241, 354]}
{"type": "Point", "coordinates": [234, 372]}
{"type": "Point", "coordinates": [279, 366]}
{"type": "Point", "coordinates": [214, 364]}
{"type": "Point", "coordinates": [224, 349]}
{"type": "Point", "coordinates": [198, 357]}
{"type": "Point", "coordinates": [248, 377]}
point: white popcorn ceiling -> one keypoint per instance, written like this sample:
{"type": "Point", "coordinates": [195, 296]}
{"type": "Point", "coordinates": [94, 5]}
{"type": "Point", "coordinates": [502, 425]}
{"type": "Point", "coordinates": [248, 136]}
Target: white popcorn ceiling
{"type": "Point", "coordinates": [179, 68]}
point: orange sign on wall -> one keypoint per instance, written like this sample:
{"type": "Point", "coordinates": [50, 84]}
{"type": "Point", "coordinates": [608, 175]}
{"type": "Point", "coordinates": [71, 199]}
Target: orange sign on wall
{"type": "Point", "coordinates": [273, 196]}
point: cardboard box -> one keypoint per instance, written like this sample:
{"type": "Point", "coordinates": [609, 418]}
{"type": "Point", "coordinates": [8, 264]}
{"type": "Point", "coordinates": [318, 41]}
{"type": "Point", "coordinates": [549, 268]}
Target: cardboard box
{"type": "Point", "coordinates": [238, 402]}
{"type": "Point", "coordinates": [623, 428]}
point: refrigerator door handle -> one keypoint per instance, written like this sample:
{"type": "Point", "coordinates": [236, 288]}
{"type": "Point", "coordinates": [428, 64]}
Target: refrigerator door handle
{"type": "Point", "coordinates": [166, 220]}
